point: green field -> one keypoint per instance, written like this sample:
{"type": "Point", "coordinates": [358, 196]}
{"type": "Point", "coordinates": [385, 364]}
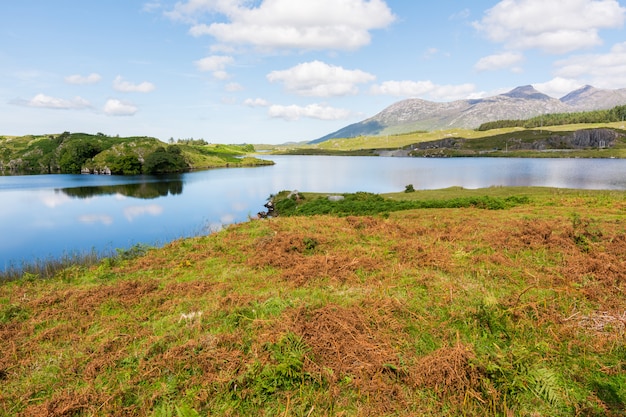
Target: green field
{"type": "Point", "coordinates": [479, 143]}
{"type": "Point", "coordinates": [474, 308]}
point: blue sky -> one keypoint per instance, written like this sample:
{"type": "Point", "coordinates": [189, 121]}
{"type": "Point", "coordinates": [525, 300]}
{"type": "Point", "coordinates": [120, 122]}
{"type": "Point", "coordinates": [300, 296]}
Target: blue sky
{"type": "Point", "coordinates": [273, 71]}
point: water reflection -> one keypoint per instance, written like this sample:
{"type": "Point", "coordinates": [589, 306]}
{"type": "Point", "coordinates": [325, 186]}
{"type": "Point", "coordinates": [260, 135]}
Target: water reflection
{"type": "Point", "coordinates": [143, 190]}
{"type": "Point", "coordinates": [48, 215]}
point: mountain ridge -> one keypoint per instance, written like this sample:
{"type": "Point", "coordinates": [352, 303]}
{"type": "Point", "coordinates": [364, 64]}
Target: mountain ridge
{"type": "Point", "coordinates": [522, 102]}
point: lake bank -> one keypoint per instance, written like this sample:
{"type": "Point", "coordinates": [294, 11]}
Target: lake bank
{"type": "Point", "coordinates": [53, 215]}
{"type": "Point", "coordinates": [429, 311]}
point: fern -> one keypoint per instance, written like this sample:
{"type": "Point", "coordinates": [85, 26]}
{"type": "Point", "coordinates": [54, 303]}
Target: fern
{"type": "Point", "coordinates": [546, 385]}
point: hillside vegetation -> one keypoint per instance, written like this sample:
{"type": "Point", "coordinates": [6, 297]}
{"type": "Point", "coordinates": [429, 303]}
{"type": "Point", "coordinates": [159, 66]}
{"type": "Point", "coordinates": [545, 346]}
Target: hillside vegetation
{"type": "Point", "coordinates": [547, 141]}
{"type": "Point", "coordinates": [74, 153]}
{"type": "Point", "coordinates": [450, 305]}
{"type": "Point", "coordinates": [616, 114]}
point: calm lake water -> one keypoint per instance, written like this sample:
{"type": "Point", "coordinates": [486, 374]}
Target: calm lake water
{"type": "Point", "coordinates": [43, 216]}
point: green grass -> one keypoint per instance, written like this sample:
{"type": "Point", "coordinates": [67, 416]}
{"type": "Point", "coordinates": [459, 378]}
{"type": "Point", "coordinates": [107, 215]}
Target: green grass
{"type": "Point", "coordinates": [478, 142]}
{"type": "Point", "coordinates": [363, 204]}
{"type": "Point", "coordinates": [440, 311]}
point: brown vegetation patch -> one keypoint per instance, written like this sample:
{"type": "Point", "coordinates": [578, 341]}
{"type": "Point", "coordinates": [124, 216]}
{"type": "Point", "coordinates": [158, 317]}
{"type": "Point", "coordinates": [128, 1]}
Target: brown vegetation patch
{"type": "Point", "coordinates": [530, 233]}
{"type": "Point", "coordinates": [298, 257]}
{"type": "Point", "coordinates": [65, 404]}
{"type": "Point", "coordinates": [195, 288]}
{"type": "Point", "coordinates": [350, 341]}
{"type": "Point", "coordinates": [600, 276]}
{"type": "Point", "coordinates": [448, 371]}
{"type": "Point", "coordinates": [351, 347]}
{"type": "Point", "coordinates": [419, 254]}
{"type": "Point", "coordinates": [79, 302]}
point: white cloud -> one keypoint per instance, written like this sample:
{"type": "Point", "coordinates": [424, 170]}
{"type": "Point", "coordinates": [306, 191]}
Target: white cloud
{"type": "Point", "coordinates": [423, 88]}
{"type": "Point", "coordinates": [233, 87]}
{"type": "Point", "coordinates": [79, 79]}
{"type": "Point", "coordinates": [552, 26]}
{"type": "Point", "coordinates": [96, 218]}
{"type": "Point", "coordinates": [558, 86]}
{"type": "Point", "coordinates": [430, 53]}
{"type": "Point", "coordinates": [256, 102]}
{"type": "Point", "coordinates": [600, 70]}
{"type": "Point", "coordinates": [500, 61]}
{"type": "Point", "coordinates": [114, 107]}
{"type": "Point", "coordinates": [132, 212]}
{"type": "Point", "coordinates": [462, 15]}
{"type": "Point", "coordinates": [216, 64]}
{"type": "Point", "coordinates": [320, 79]}
{"type": "Point", "coordinates": [306, 24]}
{"type": "Point", "coordinates": [55, 199]}
{"type": "Point", "coordinates": [126, 87]}
{"type": "Point", "coordinates": [312, 111]}
{"type": "Point", "coordinates": [47, 102]}
{"type": "Point", "coordinates": [151, 6]}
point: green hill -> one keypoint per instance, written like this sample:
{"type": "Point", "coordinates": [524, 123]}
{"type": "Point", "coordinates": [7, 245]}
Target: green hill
{"type": "Point", "coordinates": [80, 152]}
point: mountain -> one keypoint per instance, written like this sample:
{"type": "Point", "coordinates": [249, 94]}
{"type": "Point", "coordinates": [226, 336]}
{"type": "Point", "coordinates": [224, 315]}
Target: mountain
{"type": "Point", "coordinates": [520, 103]}
{"type": "Point", "coordinates": [591, 98]}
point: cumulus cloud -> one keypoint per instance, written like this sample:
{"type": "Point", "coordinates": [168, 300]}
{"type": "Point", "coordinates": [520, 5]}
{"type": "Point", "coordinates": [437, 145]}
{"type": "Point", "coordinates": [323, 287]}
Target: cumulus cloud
{"type": "Point", "coordinates": [312, 111]}
{"type": "Point", "coordinates": [423, 88]}
{"type": "Point", "coordinates": [551, 26]}
{"type": "Point", "coordinates": [216, 64]}
{"type": "Point", "coordinates": [114, 107]}
{"type": "Point", "coordinates": [55, 200]}
{"type": "Point", "coordinates": [256, 102]}
{"type": "Point", "coordinates": [500, 61]}
{"type": "Point", "coordinates": [48, 102]}
{"type": "Point", "coordinates": [80, 79]}
{"type": "Point", "coordinates": [304, 24]}
{"type": "Point", "coordinates": [127, 87]}
{"type": "Point", "coordinates": [558, 86]}
{"type": "Point", "coordinates": [320, 79]}
{"type": "Point", "coordinates": [133, 212]}
{"type": "Point", "coordinates": [601, 70]}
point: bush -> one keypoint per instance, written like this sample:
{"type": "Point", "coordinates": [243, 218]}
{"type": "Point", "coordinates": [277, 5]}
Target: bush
{"type": "Point", "coordinates": [362, 203]}
{"type": "Point", "coordinates": [163, 160]}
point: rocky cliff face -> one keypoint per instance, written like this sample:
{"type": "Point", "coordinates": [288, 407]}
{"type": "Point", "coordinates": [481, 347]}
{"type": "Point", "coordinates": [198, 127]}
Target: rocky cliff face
{"type": "Point", "coordinates": [520, 103]}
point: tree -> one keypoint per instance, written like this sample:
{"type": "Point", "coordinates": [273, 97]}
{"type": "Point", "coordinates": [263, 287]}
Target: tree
{"type": "Point", "coordinates": [163, 160]}
{"type": "Point", "coordinates": [126, 165]}
{"type": "Point", "coordinates": [74, 154]}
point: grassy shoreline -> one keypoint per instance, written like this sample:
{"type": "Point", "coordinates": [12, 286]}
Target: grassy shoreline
{"type": "Point", "coordinates": [509, 142]}
{"type": "Point", "coordinates": [426, 311]}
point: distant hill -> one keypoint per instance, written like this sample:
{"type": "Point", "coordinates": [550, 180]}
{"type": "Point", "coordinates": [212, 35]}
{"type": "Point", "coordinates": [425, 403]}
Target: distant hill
{"type": "Point", "coordinates": [520, 103]}
{"type": "Point", "coordinates": [74, 153]}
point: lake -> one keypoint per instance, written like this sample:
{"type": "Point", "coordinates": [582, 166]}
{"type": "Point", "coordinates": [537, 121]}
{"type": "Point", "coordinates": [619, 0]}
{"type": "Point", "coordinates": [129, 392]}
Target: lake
{"type": "Point", "coordinates": [44, 216]}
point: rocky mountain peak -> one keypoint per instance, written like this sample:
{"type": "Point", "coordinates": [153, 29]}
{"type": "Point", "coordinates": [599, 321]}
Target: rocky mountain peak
{"type": "Point", "coordinates": [520, 103]}
{"type": "Point", "coordinates": [590, 98]}
{"type": "Point", "coordinates": [527, 92]}
{"type": "Point", "coordinates": [584, 91]}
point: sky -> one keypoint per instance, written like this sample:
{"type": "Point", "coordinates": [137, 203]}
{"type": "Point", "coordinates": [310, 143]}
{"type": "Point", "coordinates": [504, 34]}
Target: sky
{"type": "Point", "coordinates": [277, 71]}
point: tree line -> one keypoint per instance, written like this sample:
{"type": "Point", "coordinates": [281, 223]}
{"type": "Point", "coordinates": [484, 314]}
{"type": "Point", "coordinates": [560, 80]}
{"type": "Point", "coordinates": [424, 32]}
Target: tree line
{"type": "Point", "coordinates": [616, 114]}
{"type": "Point", "coordinates": [70, 153]}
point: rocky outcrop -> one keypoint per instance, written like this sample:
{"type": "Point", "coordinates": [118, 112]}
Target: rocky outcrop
{"type": "Point", "coordinates": [582, 139]}
{"type": "Point", "coordinates": [96, 171]}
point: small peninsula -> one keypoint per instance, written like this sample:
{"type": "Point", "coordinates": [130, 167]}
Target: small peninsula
{"type": "Point", "coordinates": [75, 153]}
